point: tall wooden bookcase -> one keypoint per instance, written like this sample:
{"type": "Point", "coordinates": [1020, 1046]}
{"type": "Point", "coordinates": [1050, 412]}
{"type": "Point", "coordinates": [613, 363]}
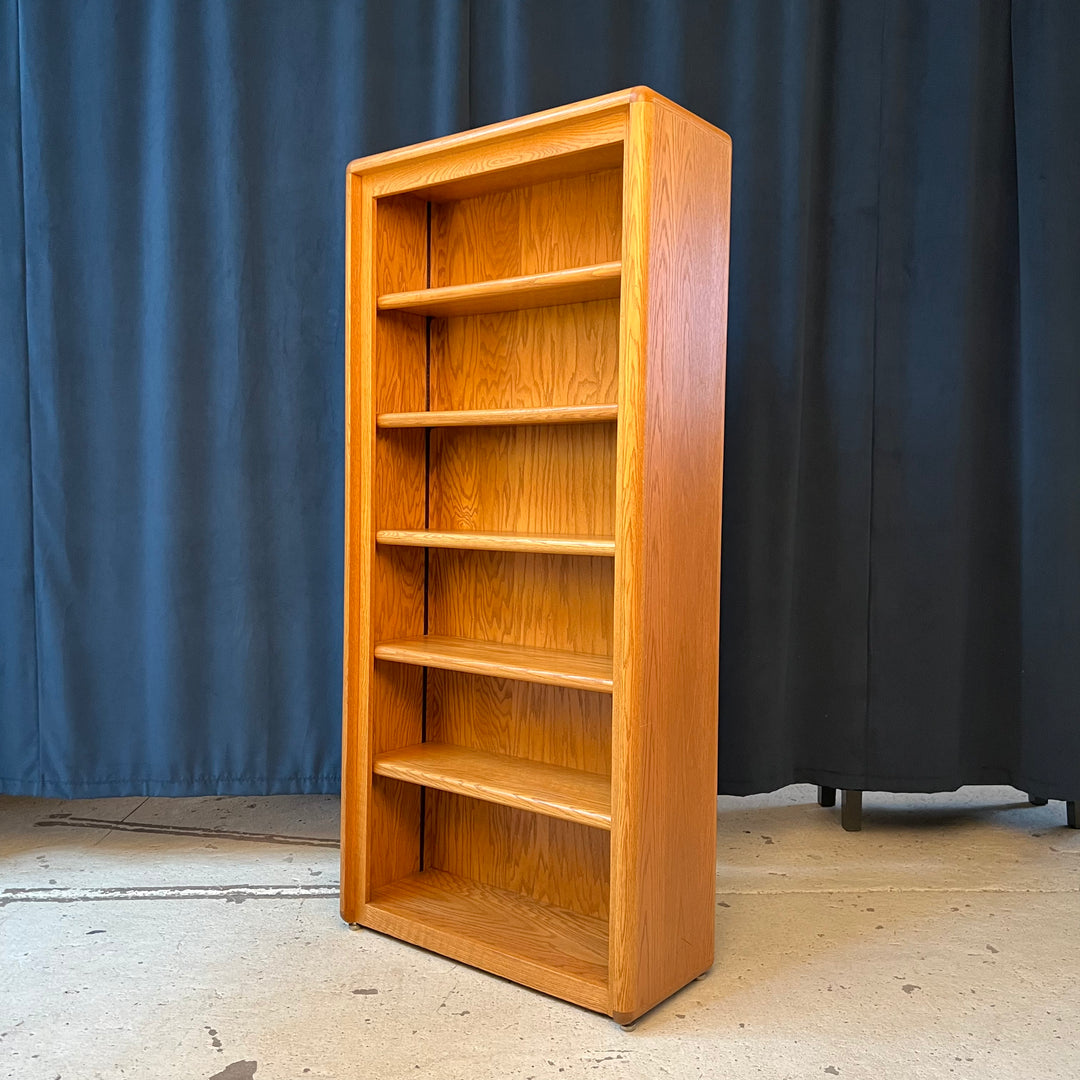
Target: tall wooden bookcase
{"type": "Point", "coordinates": [534, 437]}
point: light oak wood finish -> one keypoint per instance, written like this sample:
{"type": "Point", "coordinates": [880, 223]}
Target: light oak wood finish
{"type": "Point", "coordinates": [502, 156]}
{"type": "Point", "coordinates": [541, 601]}
{"type": "Point", "coordinates": [551, 949]}
{"type": "Point", "coordinates": [541, 228]}
{"type": "Point", "coordinates": [532, 570]}
{"type": "Point", "coordinates": [555, 414]}
{"type": "Point", "coordinates": [671, 396]}
{"type": "Point", "coordinates": [552, 666]}
{"type": "Point", "coordinates": [478, 541]}
{"type": "Point", "coordinates": [510, 294]}
{"type": "Point", "coordinates": [562, 863]}
{"type": "Point", "coordinates": [537, 721]}
{"type": "Point", "coordinates": [554, 479]}
{"type": "Point", "coordinates": [570, 794]}
{"type": "Point", "coordinates": [536, 358]}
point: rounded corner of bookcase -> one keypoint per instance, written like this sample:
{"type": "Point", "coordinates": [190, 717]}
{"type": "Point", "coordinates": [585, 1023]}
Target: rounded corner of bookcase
{"type": "Point", "coordinates": [641, 92]}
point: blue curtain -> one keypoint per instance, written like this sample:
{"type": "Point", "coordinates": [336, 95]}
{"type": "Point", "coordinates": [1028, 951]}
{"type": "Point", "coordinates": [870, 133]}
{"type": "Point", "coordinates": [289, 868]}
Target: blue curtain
{"type": "Point", "coordinates": [901, 587]}
{"type": "Point", "coordinates": [172, 381]}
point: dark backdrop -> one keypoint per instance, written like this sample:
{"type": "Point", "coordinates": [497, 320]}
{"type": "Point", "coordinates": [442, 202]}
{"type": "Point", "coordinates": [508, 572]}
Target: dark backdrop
{"type": "Point", "coordinates": [901, 587]}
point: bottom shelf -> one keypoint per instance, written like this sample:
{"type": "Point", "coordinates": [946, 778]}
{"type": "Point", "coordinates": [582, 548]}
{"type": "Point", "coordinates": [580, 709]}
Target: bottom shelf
{"type": "Point", "coordinates": [550, 949]}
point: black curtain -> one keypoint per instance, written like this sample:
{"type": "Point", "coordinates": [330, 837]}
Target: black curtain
{"type": "Point", "coordinates": [901, 585]}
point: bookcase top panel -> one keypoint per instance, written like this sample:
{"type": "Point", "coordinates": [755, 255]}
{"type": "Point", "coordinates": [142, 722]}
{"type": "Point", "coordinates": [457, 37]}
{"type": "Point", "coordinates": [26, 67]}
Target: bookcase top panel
{"type": "Point", "coordinates": [592, 132]}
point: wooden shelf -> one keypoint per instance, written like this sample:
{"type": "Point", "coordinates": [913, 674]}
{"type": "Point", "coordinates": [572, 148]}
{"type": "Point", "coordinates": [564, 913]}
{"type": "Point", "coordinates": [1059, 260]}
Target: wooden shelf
{"type": "Point", "coordinates": [551, 666]}
{"type": "Point", "coordinates": [553, 414]}
{"type": "Point", "coordinates": [600, 282]}
{"type": "Point", "coordinates": [552, 790]}
{"type": "Point", "coordinates": [478, 541]}
{"type": "Point", "coordinates": [548, 948]}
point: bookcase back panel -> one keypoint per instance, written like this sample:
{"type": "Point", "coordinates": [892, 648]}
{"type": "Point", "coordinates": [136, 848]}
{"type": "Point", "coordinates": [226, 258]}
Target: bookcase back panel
{"type": "Point", "coordinates": [397, 709]}
{"type": "Point", "coordinates": [401, 263]}
{"type": "Point", "coordinates": [554, 724]}
{"type": "Point", "coordinates": [555, 225]}
{"type": "Point", "coordinates": [544, 601]}
{"type": "Point", "coordinates": [553, 861]}
{"type": "Point", "coordinates": [564, 355]}
{"type": "Point", "coordinates": [401, 255]}
{"type": "Point", "coordinates": [526, 478]}
{"type": "Point", "coordinates": [400, 362]}
{"type": "Point", "coordinates": [396, 809]}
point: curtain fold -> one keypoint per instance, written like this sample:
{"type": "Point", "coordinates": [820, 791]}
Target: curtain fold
{"type": "Point", "coordinates": [1046, 95]}
{"type": "Point", "coordinates": [901, 577]}
{"type": "Point", "coordinates": [18, 642]}
{"type": "Point", "coordinates": [184, 174]}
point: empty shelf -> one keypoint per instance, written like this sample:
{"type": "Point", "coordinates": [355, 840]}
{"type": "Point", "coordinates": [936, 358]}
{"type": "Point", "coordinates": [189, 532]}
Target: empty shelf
{"type": "Point", "coordinates": [553, 414]}
{"type": "Point", "coordinates": [553, 790]}
{"type": "Point", "coordinates": [478, 541]}
{"type": "Point", "coordinates": [552, 666]}
{"type": "Point", "coordinates": [601, 282]}
{"type": "Point", "coordinates": [548, 948]}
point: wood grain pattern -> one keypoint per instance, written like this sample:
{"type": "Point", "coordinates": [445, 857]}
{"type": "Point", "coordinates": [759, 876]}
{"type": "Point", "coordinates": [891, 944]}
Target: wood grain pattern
{"type": "Point", "coordinates": [526, 359]}
{"type": "Point", "coordinates": [522, 142]}
{"type": "Point", "coordinates": [671, 398]}
{"type": "Point", "coordinates": [542, 601]}
{"type": "Point", "coordinates": [547, 723]}
{"type": "Point", "coordinates": [510, 294]}
{"type": "Point", "coordinates": [502, 159]}
{"type": "Point", "coordinates": [553, 479]}
{"type": "Point", "coordinates": [553, 666]}
{"type": "Point", "coordinates": [534, 229]}
{"type": "Point", "coordinates": [559, 414]}
{"type": "Point", "coordinates": [385, 589]}
{"type": "Point", "coordinates": [525, 140]}
{"type": "Point", "coordinates": [555, 862]}
{"type": "Point", "coordinates": [550, 949]}
{"type": "Point", "coordinates": [359, 282]}
{"type": "Point", "coordinates": [564, 544]}
{"type": "Point", "coordinates": [570, 794]}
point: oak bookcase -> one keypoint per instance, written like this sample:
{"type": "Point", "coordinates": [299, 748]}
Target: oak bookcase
{"type": "Point", "coordinates": [534, 437]}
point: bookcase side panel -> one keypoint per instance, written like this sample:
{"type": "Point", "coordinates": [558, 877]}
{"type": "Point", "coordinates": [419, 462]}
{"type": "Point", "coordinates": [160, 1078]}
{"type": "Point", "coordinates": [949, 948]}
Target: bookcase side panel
{"type": "Point", "coordinates": [668, 556]}
{"type": "Point", "coordinates": [388, 699]}
{"type": "Point", "coordinates": [359, 459]}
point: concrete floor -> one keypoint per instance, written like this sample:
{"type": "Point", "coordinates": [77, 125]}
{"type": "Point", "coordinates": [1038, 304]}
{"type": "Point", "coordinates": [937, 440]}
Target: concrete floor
{"type": "Point", "coordinates": [199, 938]}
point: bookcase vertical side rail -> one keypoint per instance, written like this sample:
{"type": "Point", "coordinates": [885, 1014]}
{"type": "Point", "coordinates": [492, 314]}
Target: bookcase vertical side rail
{"type": "Point", "coordinates": [670, 464]}
{"type": "Point", "coordinates": [628, 667]}
{"type": "Point", "coordinates": [359, 541]}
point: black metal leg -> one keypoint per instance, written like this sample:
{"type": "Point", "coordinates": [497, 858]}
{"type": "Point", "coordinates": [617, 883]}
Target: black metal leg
{"type": "Point", "coordinates": [826, 796]}
{"type": "Point", "coordinates": [1037, 800]}
{"type": "Point", "coordinates": [851, 810]}
{"type": "Point", "coordinates": [1070, 815]}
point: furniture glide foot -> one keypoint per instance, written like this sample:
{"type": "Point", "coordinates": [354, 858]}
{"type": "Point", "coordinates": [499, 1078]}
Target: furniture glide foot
{"type": "Point", "coordinates": [851, 810]}
{"type": "Point", "coordinates": [826, 796]}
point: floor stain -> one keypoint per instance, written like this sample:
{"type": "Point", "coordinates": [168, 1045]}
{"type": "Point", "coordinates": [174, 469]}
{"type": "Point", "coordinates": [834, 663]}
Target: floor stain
{"type": "Point", "coordinates": [237, 1070]}
{"type": "Point", "coordinates": [70, 821]}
